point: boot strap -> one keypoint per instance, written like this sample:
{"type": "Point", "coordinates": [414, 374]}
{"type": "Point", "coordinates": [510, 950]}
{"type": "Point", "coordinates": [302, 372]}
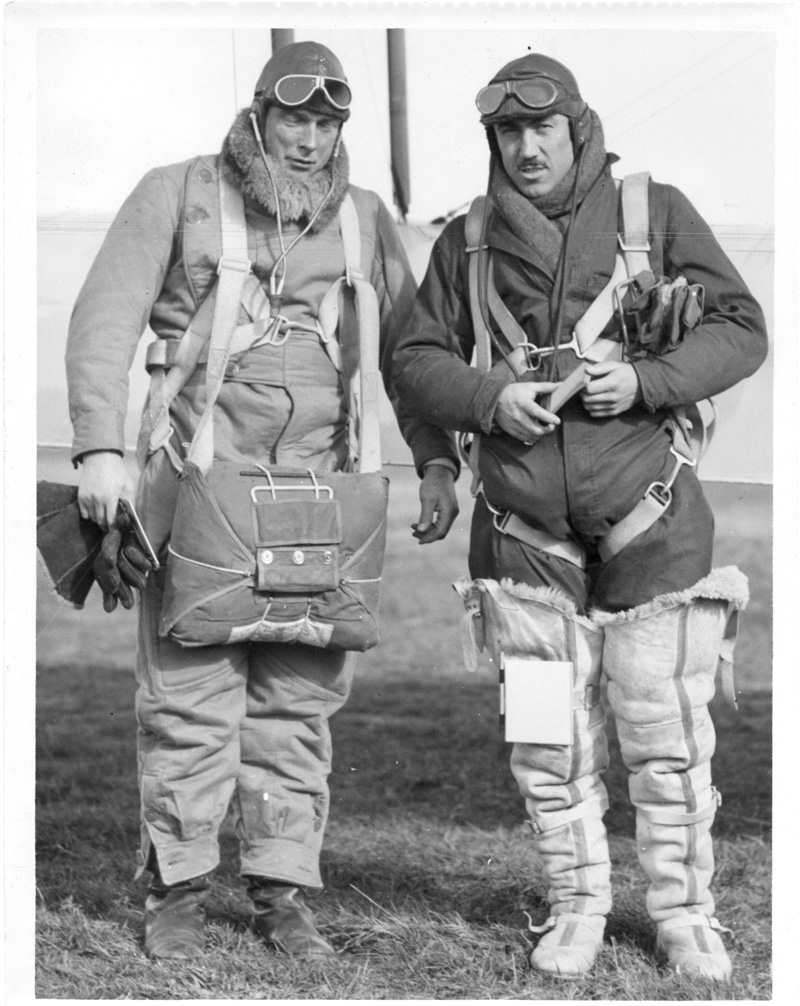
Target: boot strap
{"type": "Point", "coordinates": [545, 926]}
{"type": "Point", "coordinates": [681, 921]}
{"type": "Point", "coordinates": [589, 921]}
{"type": "Point", "coordinates": [595, 807]}
{"type": "Point", "coordinates": [683, 819]}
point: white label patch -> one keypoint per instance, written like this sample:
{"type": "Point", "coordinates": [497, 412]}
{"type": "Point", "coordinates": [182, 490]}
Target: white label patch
{"type": "Point", "coordinates": [536, 700]}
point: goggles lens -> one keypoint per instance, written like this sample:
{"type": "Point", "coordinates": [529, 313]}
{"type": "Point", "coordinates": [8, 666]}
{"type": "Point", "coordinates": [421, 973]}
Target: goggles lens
{"type": "Point", "coordinates": [298, 88]}
{"type": "Point", "coordinates": [536, 93]}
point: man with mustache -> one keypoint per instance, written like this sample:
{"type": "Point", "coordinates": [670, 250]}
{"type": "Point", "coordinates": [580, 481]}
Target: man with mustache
{"type": "Point", "coordinates": [591, 538]}
{"type": "Point", "coordinates": [244, 723]}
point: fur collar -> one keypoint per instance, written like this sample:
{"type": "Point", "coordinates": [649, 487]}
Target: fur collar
{"type": "Point", "coordinates": [243, 167]}
{"type": "Point", "coordinates": [531, 220]}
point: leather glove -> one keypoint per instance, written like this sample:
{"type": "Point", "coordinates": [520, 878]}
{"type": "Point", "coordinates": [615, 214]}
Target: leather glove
{"type": "Point", "coordinates": [660, 312]}
{"type": "Point", "coordinates": [121, 565]}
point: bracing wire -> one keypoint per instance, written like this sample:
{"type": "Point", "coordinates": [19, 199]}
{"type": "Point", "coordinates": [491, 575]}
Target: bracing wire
{"type": "Point", "coordinates": [680, 97]}
{"type": "Point", "coordinates": [233, 53]}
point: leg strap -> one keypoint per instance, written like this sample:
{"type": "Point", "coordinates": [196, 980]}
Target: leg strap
{"type": "Point", "coordinates": [680, 819]}
{"type": "Point", "coordinates": [516, 527]}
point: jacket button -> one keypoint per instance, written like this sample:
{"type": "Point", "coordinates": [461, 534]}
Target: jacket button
{"type": "Point", "coordinates": [196, 215]}
{"type": "Point", "coordinates": [205, 175]}
{"type": "Point", "coordinates": [232, 369]}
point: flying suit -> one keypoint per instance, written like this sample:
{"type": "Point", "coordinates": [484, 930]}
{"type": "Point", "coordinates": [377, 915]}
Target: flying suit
{"type": "Point", "coordinates": [242, 723]}
{"type": "Point", "coordinates": [653, 620]}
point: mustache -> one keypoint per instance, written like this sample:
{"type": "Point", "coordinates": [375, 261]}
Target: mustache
{"type": "Point", "coordinates": [531, 162]}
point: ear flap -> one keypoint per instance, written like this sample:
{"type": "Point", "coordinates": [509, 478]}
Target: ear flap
{"type": "Point", "coordinates": [581, 128]}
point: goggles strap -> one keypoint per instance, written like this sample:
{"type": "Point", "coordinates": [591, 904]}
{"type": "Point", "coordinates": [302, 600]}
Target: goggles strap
{"type": "Point", "coordinates": [317, 83]}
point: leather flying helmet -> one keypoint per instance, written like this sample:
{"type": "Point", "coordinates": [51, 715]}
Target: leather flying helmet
{"type": "Point", "coordinates": [307, 75]}
{"type": "Point", "coordinates": [534, 86]}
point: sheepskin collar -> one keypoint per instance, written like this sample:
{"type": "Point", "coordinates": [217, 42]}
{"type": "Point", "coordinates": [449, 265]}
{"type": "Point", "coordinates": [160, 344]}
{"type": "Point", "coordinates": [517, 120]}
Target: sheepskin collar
{"type": "Point", "coordinates": [243, 167]}
{"type": "Point", "coordinates": [532, 220]}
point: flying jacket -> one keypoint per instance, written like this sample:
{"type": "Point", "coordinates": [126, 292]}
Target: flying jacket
{"type": "Point", "coordinates": [589, 474]}
{"type": "Point", "coordinates": [155, 267]}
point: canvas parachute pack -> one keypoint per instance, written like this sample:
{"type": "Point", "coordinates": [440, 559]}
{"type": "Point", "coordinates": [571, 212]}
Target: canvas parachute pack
{"type": "Point", "coordinates": [654, 316]}
{"type": "Point", "coordinates": [273, 554]}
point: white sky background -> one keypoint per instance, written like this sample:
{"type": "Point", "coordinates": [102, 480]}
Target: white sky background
{"type": "Point", "coordinates": [119, 92]}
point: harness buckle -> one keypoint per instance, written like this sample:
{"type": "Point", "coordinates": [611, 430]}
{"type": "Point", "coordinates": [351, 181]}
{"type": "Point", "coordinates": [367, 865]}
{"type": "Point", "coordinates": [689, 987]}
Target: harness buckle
{"type": "Point", "coordinates": [237, 264]}
{"type": "Point", "coordinates": [660, 492]}
{"type": "Point", "coordinates": [638, 243]}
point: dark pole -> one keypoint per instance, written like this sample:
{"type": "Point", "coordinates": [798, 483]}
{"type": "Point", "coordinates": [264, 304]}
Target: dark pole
{"type": "Point", "coordinates": [282, 37]}
{"type": "Point", "coordinates": [398, 119]}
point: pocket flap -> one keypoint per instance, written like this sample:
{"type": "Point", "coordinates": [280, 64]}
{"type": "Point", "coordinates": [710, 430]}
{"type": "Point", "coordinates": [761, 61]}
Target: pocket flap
{"type": "Point", "coordinates": [297, 522]}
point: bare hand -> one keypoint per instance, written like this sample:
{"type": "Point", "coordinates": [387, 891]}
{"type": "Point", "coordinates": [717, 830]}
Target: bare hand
{"type": "Point", "coordinates": [437, 493]}
{"type": "Point", "coordinates": [611, 389]}
{"type": "Point", "coordinates": [103, 479]}
{"type": "Point", "coordinates": [519, 414]}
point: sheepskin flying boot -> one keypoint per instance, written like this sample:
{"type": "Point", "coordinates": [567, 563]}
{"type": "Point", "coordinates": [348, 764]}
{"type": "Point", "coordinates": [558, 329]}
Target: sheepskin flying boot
{"type": "Point", "coordinates": [564, 794]}
{"type": "Point", "coordinates": [661, 660]}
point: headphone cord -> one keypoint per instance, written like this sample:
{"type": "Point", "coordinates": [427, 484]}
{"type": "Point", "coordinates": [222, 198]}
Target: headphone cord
{"type": "Point", "coordinates": [562, 277]}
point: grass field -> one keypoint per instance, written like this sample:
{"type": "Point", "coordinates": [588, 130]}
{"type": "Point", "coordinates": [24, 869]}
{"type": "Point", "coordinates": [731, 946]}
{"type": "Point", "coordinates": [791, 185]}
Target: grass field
{"type": "Point", "coordinates": [428, 863]}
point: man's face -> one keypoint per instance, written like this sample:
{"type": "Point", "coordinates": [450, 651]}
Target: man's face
{"type": "Point", "coordinates": [301, 140]}
{"type": "Point", "coordinates": [536, 153]}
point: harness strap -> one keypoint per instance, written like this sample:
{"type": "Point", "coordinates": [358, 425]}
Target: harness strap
{"type": "Point", "coordinates": [647, 511]}
{"type": "Point", "coordinates": [516, 527]}
{"type": "Point", "coordinates": [233, 269]}
{"type": "Point", "coordinates": [472, 231]}
{"type": "Point", "coordinates": [156, 429]}
{"type": "Point", "coordinates": [171, 362]}
{"type": "Point", "coordinates": [635, 222]}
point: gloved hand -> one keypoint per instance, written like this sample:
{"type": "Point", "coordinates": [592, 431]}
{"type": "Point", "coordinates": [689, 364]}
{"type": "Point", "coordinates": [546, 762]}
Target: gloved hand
{"type": "Point", "coordinates": [121, 564]}
{"type": "Point", "coordinates": [658, 313]}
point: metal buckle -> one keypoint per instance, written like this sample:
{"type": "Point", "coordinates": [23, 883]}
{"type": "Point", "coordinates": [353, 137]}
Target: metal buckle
{"type": "Point", "coordinates": [660, 491]}
{"type": "Point", "coordinates": [237, 264]}
{"type": "Point", "coordinates": [637, 246]}
{"type": "Point", "coordinates": [618, 308]}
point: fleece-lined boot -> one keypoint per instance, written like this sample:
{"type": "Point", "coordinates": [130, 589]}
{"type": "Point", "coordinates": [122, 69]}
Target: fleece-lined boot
{"type": "Point", "coordinates": [661, 660]}
{"type": "Point", "coordinates": [282, 918]}
{"type": "Point", "coordinates": [175, 918]}
{"type": "Point", "coordinates": [564, 794]}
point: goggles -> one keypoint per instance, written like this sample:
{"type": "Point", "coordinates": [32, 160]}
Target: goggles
{"type": "Point", "coordinates": [535, 93]}
{"type": "Point", "coordinates": [297, 89]}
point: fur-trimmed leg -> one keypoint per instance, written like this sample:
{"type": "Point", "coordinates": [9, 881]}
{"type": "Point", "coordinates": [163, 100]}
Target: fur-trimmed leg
{"type": "Point", "coordinates": [661, 661]}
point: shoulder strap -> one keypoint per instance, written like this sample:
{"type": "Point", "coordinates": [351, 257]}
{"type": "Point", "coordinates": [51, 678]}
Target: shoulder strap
{"type": "Point", "coordinates": [472, 231]}
{"type": "Point", "coordinates": [233, 269]}
{"type": "Point", "coordinates": [351, 237]}
{"type": "Point", "coordinates": [356, 352]}
{"type": "Point", "coordinates": [635, 222]}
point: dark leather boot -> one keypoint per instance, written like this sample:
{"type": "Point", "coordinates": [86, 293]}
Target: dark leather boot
{"type": "Point", "coordinates": [174, 919]}
{"type": "Point", "coordinates": [283, 918]}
